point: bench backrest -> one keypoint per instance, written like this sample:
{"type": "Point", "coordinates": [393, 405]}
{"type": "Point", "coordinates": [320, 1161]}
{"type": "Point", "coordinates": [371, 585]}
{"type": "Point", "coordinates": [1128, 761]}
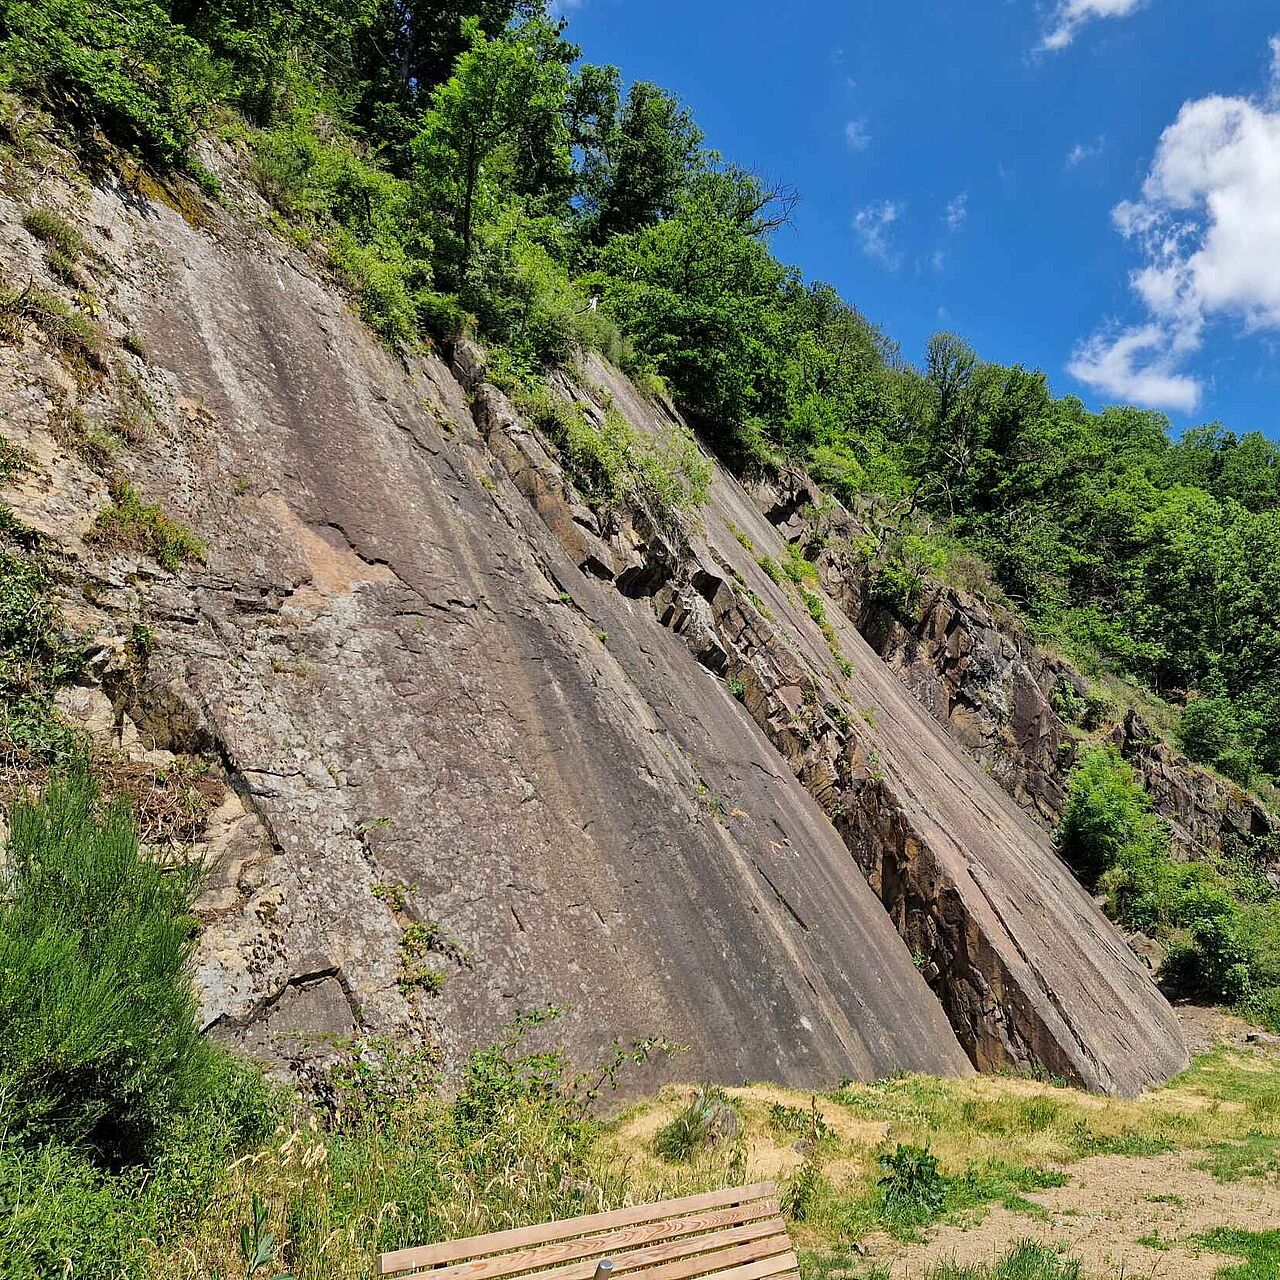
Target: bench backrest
{"type": "Point", "coordinates": [736, 1234]}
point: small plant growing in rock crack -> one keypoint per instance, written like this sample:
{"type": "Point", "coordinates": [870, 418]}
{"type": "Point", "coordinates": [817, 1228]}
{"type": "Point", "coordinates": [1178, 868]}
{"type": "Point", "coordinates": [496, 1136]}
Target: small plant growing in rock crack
{"type": "Point", "coordinates": [736, 687]}
{"type": "Point", "coordinates": [134, 345]}
{"type": "Point", "coordinates": [742, 538]}
{"type": "Point", "coordinates": [14, 460]}
{"type": "Point", "coordinates": [54, 230]}
{"type": "Point", "coordinates": [129, 524]}
{"type": "Point", "coordinates": [394, 895]}
{"type": "Point", "coordinates": [869, 716]}
{"type": "Point", "coordinates": [838, 716]}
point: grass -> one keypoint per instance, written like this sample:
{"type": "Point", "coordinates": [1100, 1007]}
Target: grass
{"type": "Point", "coordinates": [1025, 1261]}
{"type": "Point", "coordinates": [989, 1141]}
{"type": "Point", "coordinates": [65, 328]}
{"type": "Point", "coordinates": [1260, 1251]}
{"type": "Point", "coordinates": [129, 524]}
{"type": "Point", "coordinates": [55, 232]}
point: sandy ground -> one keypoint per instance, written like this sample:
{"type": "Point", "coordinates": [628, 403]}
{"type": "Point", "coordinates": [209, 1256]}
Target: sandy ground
{"type": "Point", "coordinates": [1109, 1204]}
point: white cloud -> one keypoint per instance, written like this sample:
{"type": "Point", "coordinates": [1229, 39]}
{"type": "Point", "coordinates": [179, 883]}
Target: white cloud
{"type": "Point", "coordinates": [873, 226]}
{"type": "Point", "coordinates": [1207, 225]}
{"type": "Point", "coordinates": [1071, 15]}
{"type": "Point", "coordinates": [1135, 365]}
{"type": "Point", "coordinates": [957, 211]}
{"type": "Point", "coordinates": [856, 136]}
{"type": "Point", "coordinates": [1083, 151]}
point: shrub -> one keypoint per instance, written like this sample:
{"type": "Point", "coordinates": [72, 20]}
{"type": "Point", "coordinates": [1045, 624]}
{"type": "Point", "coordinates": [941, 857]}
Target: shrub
{"type": "Point", "coordinates": [698, 1126]}
{"type": "Point", "coordinates": [910, 1185]}
{"type": "Point", "coordinates": [1213, 731]}
{"type": "Point", "coordinates": [1107, 817]}
{"type": "Point", "coordinates": [36, 658]}
{"type": "Point", "coordinates": [129, 524]}
{"type": "Point", "coordinates": [101, 1048]}
{"type": "Point", "coordinates": [124, 68]}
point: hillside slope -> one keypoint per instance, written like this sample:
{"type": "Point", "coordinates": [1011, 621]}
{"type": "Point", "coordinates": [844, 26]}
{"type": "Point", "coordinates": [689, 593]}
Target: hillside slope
{"type": "Point", "coordinates": [470, 773]}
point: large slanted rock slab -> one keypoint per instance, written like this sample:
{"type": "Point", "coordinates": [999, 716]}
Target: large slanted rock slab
{"type": "Point", "coordinates": [1031, 973]}
{"type": "Point", "coordinates": [484, 780]}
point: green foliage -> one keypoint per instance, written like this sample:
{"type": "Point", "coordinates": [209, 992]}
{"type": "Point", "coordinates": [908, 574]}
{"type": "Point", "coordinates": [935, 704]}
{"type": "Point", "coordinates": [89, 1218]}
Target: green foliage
{"type": "Point", "coordinates": [37, 657]}
{"type": "Point", "coordinates": [911, 1187]}
{"type": "Point", "coordinates": [125, 68]}
{"type": "Point", "coordinates": [803, 1189]}
{"type": "Point", "coordinates": [61, 324]}
{"type": "Point", "coordinates": [612, 463]}
{"type": "Point", "coordinates": [14, 460]}
{"type": "Point", "coordinates": [102, 1051]}
{"type": "Point", "coordinates": [1223, 942]}
{"type": "Point", "coordinates": [129, 524]}
{"type": "Point", "coordinates": [692, 1131]}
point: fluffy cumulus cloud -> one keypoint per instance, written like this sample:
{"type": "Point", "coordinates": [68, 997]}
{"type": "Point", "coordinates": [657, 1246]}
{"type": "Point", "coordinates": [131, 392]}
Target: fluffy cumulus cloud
{"type": "Point", "coordinates": [873, 225]}
{"type": "Point", "coordinates": [1071, 15]}
{"type": "Point", "coordinates": [1207, 227]}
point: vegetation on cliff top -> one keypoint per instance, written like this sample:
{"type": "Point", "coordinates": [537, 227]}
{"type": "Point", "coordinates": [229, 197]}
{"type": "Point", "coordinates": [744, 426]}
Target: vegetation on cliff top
{"type": "Point", "coordinates": [464, 166]}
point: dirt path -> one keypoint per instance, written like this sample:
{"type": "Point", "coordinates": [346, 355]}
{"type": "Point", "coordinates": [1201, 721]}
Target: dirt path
{"type": "Point", "coordinates": [1108, 1205]}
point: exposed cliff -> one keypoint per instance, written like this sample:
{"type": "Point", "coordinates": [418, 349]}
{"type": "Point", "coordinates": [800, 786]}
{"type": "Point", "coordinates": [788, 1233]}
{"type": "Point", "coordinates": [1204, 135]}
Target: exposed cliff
{"type": "Point", "coordinates": [1020, 711]}
{"type": "Point", "coordinates": [486, 750]}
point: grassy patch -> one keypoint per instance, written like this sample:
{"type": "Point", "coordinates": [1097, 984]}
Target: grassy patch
{"type": "Point", "coordinates": [129, 524]}
{"type": "Point", "coordinates": [1259, 1249]}
{"type": "Point", "coordinates": [62, 325]}
{"type": "Point", "coordinates": [1027, 1260]}
{"type": "Point", "coordinates": [611, 463]}
{"type": "Point", "coordinates": [54, 231]}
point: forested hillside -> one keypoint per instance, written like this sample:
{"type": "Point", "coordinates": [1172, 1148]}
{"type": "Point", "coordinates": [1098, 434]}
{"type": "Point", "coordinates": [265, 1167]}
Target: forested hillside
{"type": "Point", "coordinates": [479, 174]}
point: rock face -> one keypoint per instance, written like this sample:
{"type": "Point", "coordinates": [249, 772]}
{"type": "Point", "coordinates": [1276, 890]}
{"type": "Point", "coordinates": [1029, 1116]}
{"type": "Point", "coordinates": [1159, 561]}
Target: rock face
{"type": "Point", "coordinates": [490, 752]}
{"type": "Point", "coordinates": [978, 672]}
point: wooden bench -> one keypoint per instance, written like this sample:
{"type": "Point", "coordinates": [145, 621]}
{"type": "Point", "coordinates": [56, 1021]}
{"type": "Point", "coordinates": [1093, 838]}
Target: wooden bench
{"type": "Point", "coordinates": [736, 1234]}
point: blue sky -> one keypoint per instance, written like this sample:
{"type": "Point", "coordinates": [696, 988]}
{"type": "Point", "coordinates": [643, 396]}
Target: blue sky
{"type": "Point", "coordinates": [1088, 187]}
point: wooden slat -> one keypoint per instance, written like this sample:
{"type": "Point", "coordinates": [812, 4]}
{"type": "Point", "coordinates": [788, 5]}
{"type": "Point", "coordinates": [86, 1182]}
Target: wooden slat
{"type": "Point", "coordinates": [782, 1264]}
{"type": "Point", "coordinates": [520, 1237]}
{"type": "Point", "coordinates": [683, 1259]}
{"type": "Point", "coordinates": [541, 1257]}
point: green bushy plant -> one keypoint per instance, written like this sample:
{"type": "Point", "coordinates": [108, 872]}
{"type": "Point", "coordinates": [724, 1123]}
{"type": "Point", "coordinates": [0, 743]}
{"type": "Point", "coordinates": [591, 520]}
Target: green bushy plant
{"type": "Point", "coordinates": [129, 524]}
{"type": "Point", "coordinates": [101, 1049]}
{"type": "Point", "coordinates": [910, 1185]}
{"type": "Point", "coordinates": [37, 657]}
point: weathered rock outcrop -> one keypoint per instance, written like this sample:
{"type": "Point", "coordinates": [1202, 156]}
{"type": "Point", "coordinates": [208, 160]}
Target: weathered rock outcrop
{"type": "Point", "coordinates": [1008, 703]}
{"type": "Point", "coordinates": [1031, 975]}
{"type": "Point", "coordinates": [486, 748]}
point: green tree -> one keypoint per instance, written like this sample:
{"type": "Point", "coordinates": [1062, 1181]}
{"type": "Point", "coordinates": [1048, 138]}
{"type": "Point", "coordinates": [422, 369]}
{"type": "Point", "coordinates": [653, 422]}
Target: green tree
{"type": "Point", "coordinates": [503, 108]}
